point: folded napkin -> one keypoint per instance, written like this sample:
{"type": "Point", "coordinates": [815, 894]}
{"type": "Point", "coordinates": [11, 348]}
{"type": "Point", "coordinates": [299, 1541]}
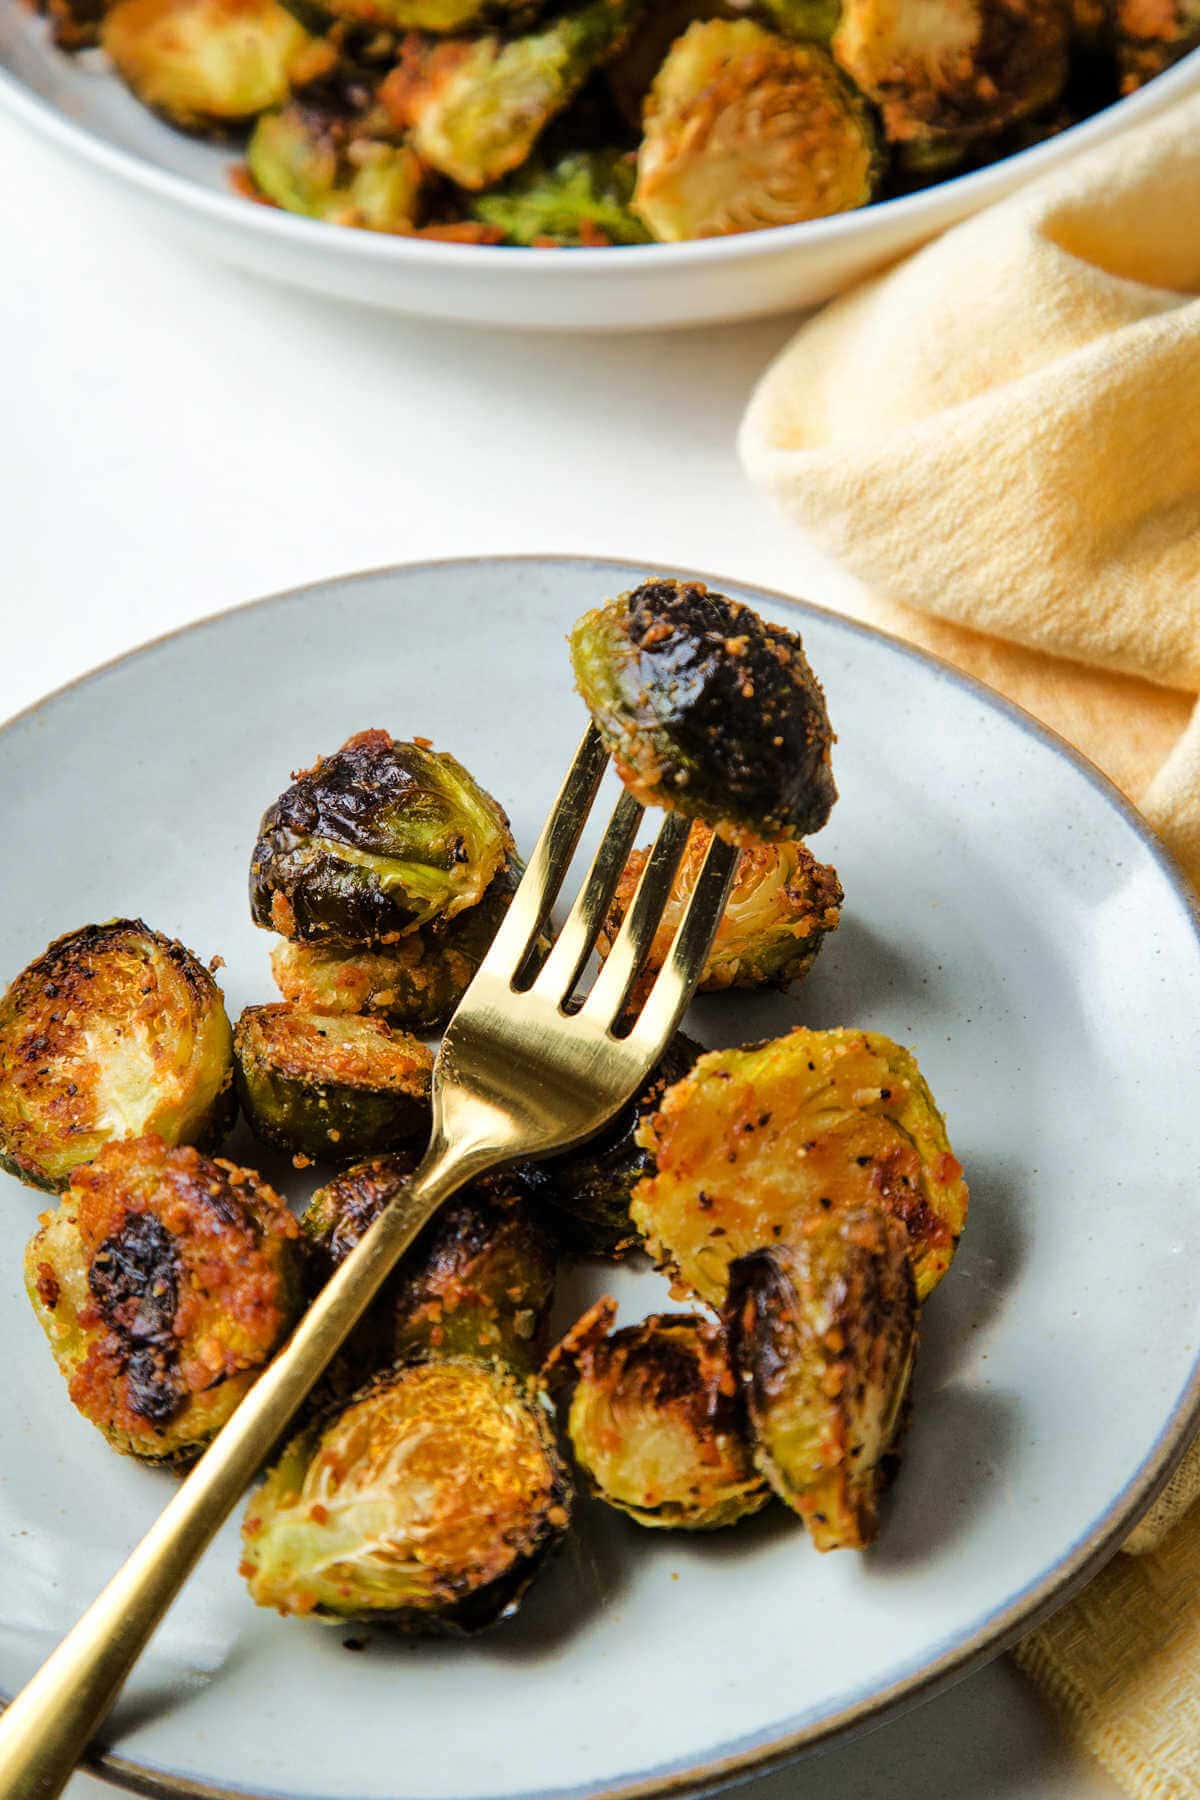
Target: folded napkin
{"type": "Point", "coordinates": [1000, 438]}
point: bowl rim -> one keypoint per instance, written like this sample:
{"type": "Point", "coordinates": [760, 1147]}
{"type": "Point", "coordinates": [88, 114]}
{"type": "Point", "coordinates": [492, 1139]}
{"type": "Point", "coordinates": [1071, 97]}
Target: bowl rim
{"type": "Point", "coordinates": [249, 219]}
{"type": "Point", "coordinates": [1024, 1610]}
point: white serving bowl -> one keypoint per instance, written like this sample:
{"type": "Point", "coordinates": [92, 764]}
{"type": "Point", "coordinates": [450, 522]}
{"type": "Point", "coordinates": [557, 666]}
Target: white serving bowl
{"type": "Point", "coordinates": [79, 105]}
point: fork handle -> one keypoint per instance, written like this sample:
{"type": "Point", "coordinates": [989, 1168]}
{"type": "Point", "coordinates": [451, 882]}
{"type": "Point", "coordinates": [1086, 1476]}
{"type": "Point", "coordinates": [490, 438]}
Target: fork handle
{"type": "Point", "coordinates": [46, 1729]}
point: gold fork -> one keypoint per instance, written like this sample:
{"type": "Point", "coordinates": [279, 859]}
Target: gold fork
{"type": "Point", "coordinates": [522, 1071]}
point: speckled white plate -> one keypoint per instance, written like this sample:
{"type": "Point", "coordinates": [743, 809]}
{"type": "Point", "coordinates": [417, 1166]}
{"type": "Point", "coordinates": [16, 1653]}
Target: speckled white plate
{"type": "Point", "coordinates": [1006, 914]}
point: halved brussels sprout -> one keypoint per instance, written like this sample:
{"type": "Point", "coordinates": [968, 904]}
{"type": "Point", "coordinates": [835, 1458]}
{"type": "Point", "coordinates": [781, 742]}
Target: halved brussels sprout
{"type": "Point", "coordinates": [374, 841]}
{"type": "Point", "coordinates": [479, 1281]}
{"type": "Point", "coordinates": [427, 1504]}
{"type": "Point", "coordinates": [326, 161]}
{"type": "Point", "coordinates": [782, 904]}
{"type": "Point", "coordinates": [416, 982]}
{"type": "Point", "coordinates": [708, 710]}
{"type": "Point", "coordinates": [1151, 35]}
{"type": "Point", "coordinates": [654, 1421]}
{"type": "Point", "coordinates": [583, 199]}
{"type": "Point", "coordinates": [755, 1142]}
{"type": "Point", "coordinates": [954, 68]}
{"type": "Point", "coordinates": [745, 129]}
{"type": "Point", "coordinates": [112, 1032]}
{"type": "Point", "coordinates": [211, 62]}
{"type": "Point", "coordinates": [823, 1332]}
{"type": "Point", "coordinates": [477, 106]}
{"type": "Point", "coordinates": [586, 1191]}
{"type": "Point", "coordinates": [330, 1086]}
{"type": "Point", "coordinates": [164, 1281]}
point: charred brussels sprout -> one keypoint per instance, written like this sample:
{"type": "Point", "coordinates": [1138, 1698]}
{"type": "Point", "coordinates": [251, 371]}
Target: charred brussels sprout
{"type": "Point", "coordinates": [329, 162]}
{"type": "Point", "coordinates": [745, 129]}
{"type": "Point", "coordinates": [823, 1334]}
{"type": "Point", "coordinates": [954, 69]}
{"type": "Point", "coordinates": [164, 1282]}
{"type": "Point", "coordinates": [708, 710]}
{"type": "Point", "coordinates": [375, 841]}
{"type": "Point", "coordinates": [330, 1086]}
{"type": "Point", "coordinates": [583, 199]}
{"type": "Point", "coordinates": [428, 1504]}
{"type": "Point", "coordinates": [478, 1282]}
{"type": "Point", "coordinates": [431, 1501]}
{"type": "Point", "coordinates": [755, 1142]}
{"type": "Point", "coordinates": [202, 63]}
{"type": "Point", "coordinates": [586, 1192]}
{"type": "Point", "coordinates": [477, 106]}
{"type": "Point", "coordinates": [416, 982]}
{"type": "Point", "coordinates": [1151, 35]}
{"type": "Point", "coordinates": [114, 1031]}
{"type": "Point", "coordinates": [780, 908]}
{"type": "Point", "coordinates": [654, 1422]}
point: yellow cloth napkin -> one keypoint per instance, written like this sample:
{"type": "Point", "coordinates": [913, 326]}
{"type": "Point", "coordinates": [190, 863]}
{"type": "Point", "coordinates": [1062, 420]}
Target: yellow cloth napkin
{"type": "Point", "coordinates": [1000, 438]}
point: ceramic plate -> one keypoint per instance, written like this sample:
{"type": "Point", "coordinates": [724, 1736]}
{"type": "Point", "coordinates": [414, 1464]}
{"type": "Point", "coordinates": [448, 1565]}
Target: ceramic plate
{"type": "Point", "coordinates": [1006, 914]}
{"type": "Point", "coordinates": [184, 186]}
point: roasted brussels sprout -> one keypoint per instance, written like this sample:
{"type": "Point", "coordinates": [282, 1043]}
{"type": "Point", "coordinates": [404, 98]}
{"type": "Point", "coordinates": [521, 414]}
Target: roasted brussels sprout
{"type": "Point", "coordinates": [585, 1192]}
{"type": "Point", "coordinates": [430, 1502]}
{"type": "Point", "coordinates": [164, 1281]}
{"type": "Point", "coordinates": [375, 841]}
{"type": "Point", "coordinates": [654, 1420]}
{"type": "Point", "coordinates": [745, 129]}
{"type": "Point", "coordinates": [114, 1031]}
{"type": "Point", "coordinates": [330, 162]}
{"type": "Point", "coordinates": [755, 1142]}
{"type": "Point", "coordinates": [479, 1281]}
{"type": "Point", "coordinates": [1151, 35]}
{"type": "Point", "coordinates": [583, 199]}
{"type": "Point", "coordinates": [477, 106]}
{"type": "Point", "coordinates": [708, 710]}
{"type": "Point", "coordinates": [325, 1085]}
{"type": "Point", "coordinates": [823, 1332]}
{"type": "Point", "coordinates": [954, 68]}
{"type": "Point", "coordinates": [416, 982]}
{"type": "Point", "coordinates": [782, 904]}
{"type": "Point", "coordinates": [427, 1504]}
{"type": "Point", "coordinates": [204, 63]}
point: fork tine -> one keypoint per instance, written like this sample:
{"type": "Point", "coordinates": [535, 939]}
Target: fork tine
{"type": "Point", "coordinates": [575, 941]}
{"type": "Point", "coordinates": [551, 858]}
{"type": "Point", "coordinates": [675, 982]}
{"type": "Point", "coordinates": [629, 951]}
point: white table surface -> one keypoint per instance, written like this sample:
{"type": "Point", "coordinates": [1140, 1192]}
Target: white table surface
{"type": "Point", "coordinates": [177, 438]}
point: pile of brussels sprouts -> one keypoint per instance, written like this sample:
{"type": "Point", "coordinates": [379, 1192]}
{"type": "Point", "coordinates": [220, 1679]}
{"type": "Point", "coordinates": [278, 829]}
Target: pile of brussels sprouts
{"type": "Point", "coordinates": [600, 122]}
{"type": "Point", "coordinates": [801, 1193]}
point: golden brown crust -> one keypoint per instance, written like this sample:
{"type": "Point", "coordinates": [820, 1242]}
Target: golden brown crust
{"type": "Point", "coordinates": [163, 1275]}
{"type": "Point", "coordinates": [352, 1051]}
